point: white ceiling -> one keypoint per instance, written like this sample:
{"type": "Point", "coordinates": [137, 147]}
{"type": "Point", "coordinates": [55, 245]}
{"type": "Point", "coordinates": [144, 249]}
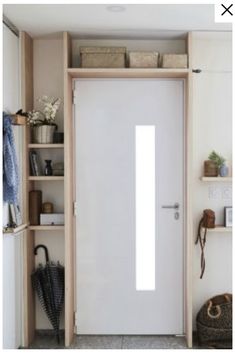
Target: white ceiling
{"type": "Point", "coordinates": [94, 20]}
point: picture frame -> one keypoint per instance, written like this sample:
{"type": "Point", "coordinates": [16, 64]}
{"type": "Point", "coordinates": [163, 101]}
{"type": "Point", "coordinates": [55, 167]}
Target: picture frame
{"type": "Point", "coordinates": [228, 216]}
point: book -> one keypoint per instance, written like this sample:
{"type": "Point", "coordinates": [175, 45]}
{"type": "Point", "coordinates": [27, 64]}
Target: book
{"type": "Point", "coordinates": [32, 170]}
{"type": "Point", "coordinates": [13, 220]}
{"type": "Point", "coordinates": [36, 167]}
{"type": "Point", "coordinates": [18, 215]}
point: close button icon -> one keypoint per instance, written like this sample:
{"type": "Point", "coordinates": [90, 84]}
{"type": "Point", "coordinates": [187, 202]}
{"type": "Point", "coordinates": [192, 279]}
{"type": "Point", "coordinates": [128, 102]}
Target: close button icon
{"type": "Point", "coordinates": [227, 9]}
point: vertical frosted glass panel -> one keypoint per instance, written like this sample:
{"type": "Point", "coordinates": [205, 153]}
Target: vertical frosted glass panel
{"type": "Point", "coordinates": [145, 207]}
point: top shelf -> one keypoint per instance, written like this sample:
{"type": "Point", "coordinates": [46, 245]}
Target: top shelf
{"type": "Point", "coordinates": [127, 73]}
{"type": "Point", "coordinates": [216, 179]}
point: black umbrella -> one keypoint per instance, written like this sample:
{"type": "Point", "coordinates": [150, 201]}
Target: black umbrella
{"type": "Point", "coordinates": [48, 282]}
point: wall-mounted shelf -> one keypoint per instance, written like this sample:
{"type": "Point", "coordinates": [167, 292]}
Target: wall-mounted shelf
{"type": "Point", "coordinates": [220, 228]}
{"type": "Point", "coordinates": [45, 146]}
{"type": "Point", "coordinates": [15, 230]}
{"type": "Point", "coordinates": [17, 119]}
{"type": "Point", "coordinates": [46, 227]}
{"type": "Point", "coordinates": [127, 73]}
{"type": "Point", "coordinates": [46, 178]}
{"type": "Point", "coordinates": [216, 179]}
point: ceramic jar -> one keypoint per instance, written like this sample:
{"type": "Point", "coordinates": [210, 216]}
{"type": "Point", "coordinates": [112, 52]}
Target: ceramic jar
{"type": "Point", "coordinates": [223, 171]}
{"type": "Point", "coordinates": [48, 168]}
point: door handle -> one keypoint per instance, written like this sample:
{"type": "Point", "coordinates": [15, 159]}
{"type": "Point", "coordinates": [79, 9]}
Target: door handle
{"type": "Point", "coordinates": [175, 206]}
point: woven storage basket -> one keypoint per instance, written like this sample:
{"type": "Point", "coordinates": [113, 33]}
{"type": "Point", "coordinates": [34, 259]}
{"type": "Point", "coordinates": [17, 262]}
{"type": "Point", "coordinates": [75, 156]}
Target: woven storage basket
{"type": "Point", "coordinates": [177, 61]}
{"type": "Point", "coordinates": [103, 57]}
{"type": "Point", "coordinates": [143, 59]}
{"type": "Point", "coordinates": [214, 320]}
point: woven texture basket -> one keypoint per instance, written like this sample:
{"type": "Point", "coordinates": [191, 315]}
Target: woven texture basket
{"type": "Point", "coordinates": [214, 320]}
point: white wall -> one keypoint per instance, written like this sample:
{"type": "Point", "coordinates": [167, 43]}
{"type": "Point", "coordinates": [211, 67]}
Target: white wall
{"type": "Point", "coordinates": [212, 129]}
{"type": "Point", "coordinates": [48, 80]}
{"type": "Point", "coordinates": [12, 244]}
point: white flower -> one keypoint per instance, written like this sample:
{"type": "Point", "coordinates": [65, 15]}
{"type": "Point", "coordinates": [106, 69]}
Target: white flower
{"type": "Point", "coordinates": [33, 118]}
{"type": "Point", "coordinates": [51, 107]}
{"type": "Point", "coordinates": [47, 116]}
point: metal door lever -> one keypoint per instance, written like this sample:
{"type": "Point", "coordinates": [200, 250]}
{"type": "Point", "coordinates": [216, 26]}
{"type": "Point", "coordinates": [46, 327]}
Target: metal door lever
{"type": "Point", "coordinates": [175, 206]}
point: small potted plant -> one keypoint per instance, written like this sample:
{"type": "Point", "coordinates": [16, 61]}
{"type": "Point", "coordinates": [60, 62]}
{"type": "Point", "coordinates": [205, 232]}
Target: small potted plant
{"type": "Point", "coordinates": [219, 161]}
{"type": "Point", "coordinates": [43, 122]}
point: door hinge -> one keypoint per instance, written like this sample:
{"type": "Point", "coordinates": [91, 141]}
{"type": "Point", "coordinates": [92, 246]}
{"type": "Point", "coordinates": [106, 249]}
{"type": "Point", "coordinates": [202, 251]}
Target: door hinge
{"type": "Point", "coordinates": [75, 97]}
{"type": "Point", "coordinates": [75, 319]}
{"type": "Point", "coordinates": [75, 208]}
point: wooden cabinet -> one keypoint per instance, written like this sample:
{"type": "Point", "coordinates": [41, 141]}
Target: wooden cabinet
{"type": "Point", "coordinates": [69, 73]}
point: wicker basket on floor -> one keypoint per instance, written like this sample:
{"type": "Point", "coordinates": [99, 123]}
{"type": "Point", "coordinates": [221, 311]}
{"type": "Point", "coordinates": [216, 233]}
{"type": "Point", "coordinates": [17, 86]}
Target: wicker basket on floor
{"type": "Point", "coordinates": [214, 321]}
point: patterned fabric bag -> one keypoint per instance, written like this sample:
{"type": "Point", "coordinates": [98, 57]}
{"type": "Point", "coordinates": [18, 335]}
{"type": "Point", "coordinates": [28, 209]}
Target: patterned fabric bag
{"type": "Point", "coordinates": [214, 322]}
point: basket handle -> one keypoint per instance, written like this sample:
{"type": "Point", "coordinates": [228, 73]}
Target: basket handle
{"type": "Point", "coordinates": [227, 297]}
{"type": "Point", "coordinates": [218, 308]}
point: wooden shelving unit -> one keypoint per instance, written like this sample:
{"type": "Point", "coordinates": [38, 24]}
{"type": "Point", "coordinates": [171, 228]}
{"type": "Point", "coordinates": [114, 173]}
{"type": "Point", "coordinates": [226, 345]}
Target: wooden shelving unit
{"type": "Point", "coordinates": [216, 179]}
{"type": "Point", "coordinates": [46, 178]}
{"type": "Point", "coordinates": [27, 104]}
{"type": "Point", "coordinates": [69, 181]}
{"type": "Point", "coordinates": [45, 146]}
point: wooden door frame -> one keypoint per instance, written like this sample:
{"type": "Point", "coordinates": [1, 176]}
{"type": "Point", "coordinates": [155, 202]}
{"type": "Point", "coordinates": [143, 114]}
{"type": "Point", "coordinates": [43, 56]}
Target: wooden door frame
{"type": "Point", "coordinates": [185, 243]}
{"type": "Point", "coordinates": [70, 74]}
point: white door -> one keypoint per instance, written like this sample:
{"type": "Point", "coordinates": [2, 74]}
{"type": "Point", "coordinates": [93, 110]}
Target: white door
{"type": "Point", "coordinates": [129, 164]}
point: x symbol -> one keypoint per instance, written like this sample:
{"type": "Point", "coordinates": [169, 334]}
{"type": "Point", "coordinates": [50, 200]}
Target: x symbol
{"type": "Point", "coordinates": [227, 9]}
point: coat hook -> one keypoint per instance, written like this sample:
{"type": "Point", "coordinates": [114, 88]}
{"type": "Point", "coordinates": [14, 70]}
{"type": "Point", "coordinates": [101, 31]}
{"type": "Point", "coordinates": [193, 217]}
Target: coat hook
{"type": "Point", "coordinates": [197, 71]}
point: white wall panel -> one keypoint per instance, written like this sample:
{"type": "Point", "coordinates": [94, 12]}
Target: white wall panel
{"type": "Point", "coordinates": [12, 244]}
{"type": "Point", "coordinates": [212, 130]}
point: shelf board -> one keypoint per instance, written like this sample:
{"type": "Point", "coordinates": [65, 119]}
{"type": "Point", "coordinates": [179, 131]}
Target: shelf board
{"type": "Point", "coordinates": [127, 73]}
{"type": "Point", "coordinates": [45, 146]}
{"type": "Point", "coordinates": [216, 179]}
{"type": "Point", "coordinates": [16, 229]}
{"type": "Point", "coordinates": [220, 228]}
{"type": "Point", "coordinates": [46, 178]}
{"type": "Point", "coordinates": [17, 119]}
{"type": "Point", "coordinates": [46, 227]}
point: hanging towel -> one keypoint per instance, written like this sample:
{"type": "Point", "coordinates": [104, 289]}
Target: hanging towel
{"type": "Point", "coordinates": [10, 164]}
